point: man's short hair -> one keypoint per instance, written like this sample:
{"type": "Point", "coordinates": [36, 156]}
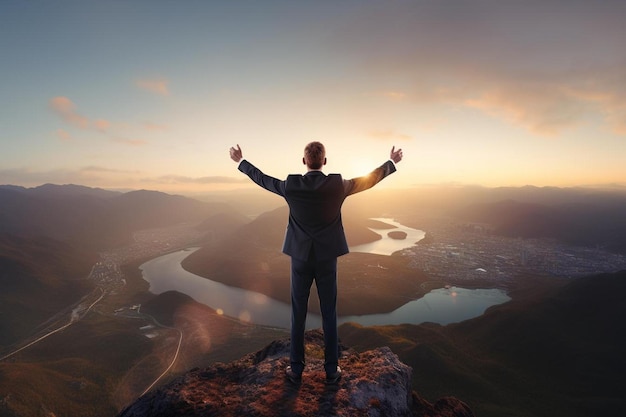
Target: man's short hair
{"type": "Point", "coordinates": [314, 155]}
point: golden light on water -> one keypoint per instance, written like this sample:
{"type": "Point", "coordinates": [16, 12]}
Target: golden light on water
{"type": "Point", "coordinates": [259, 298]}
{"type": "Point", "coordinates": [245, 316]}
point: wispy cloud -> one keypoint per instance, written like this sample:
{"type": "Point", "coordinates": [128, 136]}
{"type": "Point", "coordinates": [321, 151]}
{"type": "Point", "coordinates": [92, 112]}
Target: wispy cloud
{"type": "Point", "coordinates": [113, 178]}
{"type": "Point", "coordinates": [95, 169]}
{"type": "Point", "coordinates": [179, 179]}
{"type": "Point", "coordinates": [127, 141]}
{"type": "Point", "coordinates": [101, 125]}
{"type": "Point", "coordinates": [158, 86]}
{"type": "Point", "coordinates": [394, 95]}
{"type": "Point", "coordinates": [154, 127]}
{"type": "Point", "coordinates": [66, 109]}
{"type": "Point", "coordinates": [94, 176]}
{"type": "Point", "coordinates": [64, 135]}
{"type": "Point", "coordinates": [527, 63]}
{"type": "Point", "coordinates": [608, 94]}
{"type": "Point", "coordinates": [542, 109]}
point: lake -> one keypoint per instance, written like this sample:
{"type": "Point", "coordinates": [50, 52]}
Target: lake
{"type": "Point", "coordinates": [443, 306]}
{"type": "Point", "coordinates": [386, 245]}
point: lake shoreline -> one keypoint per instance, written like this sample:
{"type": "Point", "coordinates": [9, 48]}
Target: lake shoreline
{"type": "Point", "coordinates": [443, 305]}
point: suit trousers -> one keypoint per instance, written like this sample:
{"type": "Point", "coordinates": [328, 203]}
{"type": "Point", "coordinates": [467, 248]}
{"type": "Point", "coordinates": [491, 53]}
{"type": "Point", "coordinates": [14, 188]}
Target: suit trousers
{"type": "Point", "coordinates": [324, 273]}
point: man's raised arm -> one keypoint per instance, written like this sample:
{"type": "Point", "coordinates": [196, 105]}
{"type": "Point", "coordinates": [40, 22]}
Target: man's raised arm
{"type": "Point", "coordinates": [395, 156]}
{"type": "Point", "coordinates": [356, 185]}
{"type": "Point", "coordinates": [236, 154]}
{"type": "Point", "coordinates": [269, 183]}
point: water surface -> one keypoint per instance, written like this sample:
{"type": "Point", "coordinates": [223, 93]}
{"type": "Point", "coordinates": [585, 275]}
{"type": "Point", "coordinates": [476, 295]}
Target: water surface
{"type": "Point", "coordinates": [387, 245]}
{"type": "Point", "coordinates": [442, 306]}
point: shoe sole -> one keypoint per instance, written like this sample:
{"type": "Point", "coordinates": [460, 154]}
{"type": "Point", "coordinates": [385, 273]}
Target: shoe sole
{"type": "Point", "coordinates": [333, 381]}
{"type": "Point", "coordinates": [293, 377]}
{"type": "Point", "coordinates": [293, 380]}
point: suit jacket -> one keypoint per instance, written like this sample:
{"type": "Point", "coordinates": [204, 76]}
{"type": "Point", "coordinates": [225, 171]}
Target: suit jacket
{"type": "Point", "coordinates": [315, 201]}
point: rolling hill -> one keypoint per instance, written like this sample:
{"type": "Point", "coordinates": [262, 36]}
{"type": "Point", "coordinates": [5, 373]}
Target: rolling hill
{"type": "Point", "coordinates": [38, 278]}
{"type": "Point", "coordinates": [95, 218]}
{"type": "Point", "coordinates": [50, 235]}
{"type": "Point", "coordinates": [556, 349]}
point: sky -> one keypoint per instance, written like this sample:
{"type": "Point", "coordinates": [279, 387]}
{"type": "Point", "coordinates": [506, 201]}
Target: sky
{"type": "Point", "coordinates": [152, 94]}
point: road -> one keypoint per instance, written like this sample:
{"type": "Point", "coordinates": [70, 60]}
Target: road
{"type": "Point", "coordinates": [75, 316]}
{"type": "Point", "coordinates": [109, 278]}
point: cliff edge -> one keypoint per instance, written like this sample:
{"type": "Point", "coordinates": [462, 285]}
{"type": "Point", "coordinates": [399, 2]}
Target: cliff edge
{"type": "Point", "coordinates": [374, 383]}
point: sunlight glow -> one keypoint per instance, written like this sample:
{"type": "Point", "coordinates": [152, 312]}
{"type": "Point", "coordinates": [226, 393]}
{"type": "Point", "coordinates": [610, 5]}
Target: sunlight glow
{"type": "Point", "coordinates": [362, 165]}
{"type": "Point", "coordinates": [259, 298]}
{"type": "Point", "coordinates": [164, 119]}
{"type": "Point", "coordinates": [245, 316]}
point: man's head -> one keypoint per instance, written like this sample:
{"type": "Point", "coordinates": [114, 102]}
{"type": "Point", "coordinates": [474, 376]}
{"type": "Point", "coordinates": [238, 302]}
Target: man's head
{"type": "Point", "coordinates": [314, 155]}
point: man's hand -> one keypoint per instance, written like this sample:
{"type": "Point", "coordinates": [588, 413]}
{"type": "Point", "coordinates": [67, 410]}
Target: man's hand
{"type": "Point", "coordinates": [236, 154]}
{"type": "Point", "coordinates": [395, 156]}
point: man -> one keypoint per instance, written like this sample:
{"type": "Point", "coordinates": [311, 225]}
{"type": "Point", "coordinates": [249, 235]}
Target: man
{"type": "Point", "coordinates": [314, 240]}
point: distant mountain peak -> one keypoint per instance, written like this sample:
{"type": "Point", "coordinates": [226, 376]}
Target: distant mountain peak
{"type": "Point", "coordinates": [62, 190]}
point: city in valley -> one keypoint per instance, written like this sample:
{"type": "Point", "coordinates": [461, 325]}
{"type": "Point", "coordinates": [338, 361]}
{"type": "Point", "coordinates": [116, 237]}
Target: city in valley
{"type": "Point", "coordinates": [462, 252]}
{"type": "Point", "coordinates": [452, 252]}
{"type": "Point", "coordinates": [142, 340]}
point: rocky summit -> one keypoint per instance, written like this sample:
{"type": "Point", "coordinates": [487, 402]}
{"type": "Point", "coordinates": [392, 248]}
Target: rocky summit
{"type": "Point", "coordinates": [373, 383]}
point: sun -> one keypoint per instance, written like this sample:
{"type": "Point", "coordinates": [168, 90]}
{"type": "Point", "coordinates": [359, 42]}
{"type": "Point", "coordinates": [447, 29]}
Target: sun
{"type": "Point", "coordinates": [360, 167]}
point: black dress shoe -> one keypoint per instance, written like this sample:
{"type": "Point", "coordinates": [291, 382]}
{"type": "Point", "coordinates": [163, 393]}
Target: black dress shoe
{"type": "Point", "coordinates": [334, 377]}
{"type": "Point", "coordinates": [292, 376]}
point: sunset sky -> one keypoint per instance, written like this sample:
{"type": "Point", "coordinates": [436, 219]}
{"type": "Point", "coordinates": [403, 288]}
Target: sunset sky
{"type": "Point", "coordinates": [151, 94]}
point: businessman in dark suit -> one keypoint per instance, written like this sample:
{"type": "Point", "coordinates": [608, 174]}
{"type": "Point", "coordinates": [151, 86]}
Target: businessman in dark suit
{"type": "Point", "coordinates": [314, 240]}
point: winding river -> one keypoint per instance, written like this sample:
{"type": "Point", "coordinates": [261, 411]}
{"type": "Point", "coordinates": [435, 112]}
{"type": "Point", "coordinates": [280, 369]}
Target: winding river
{"type": "Point", "coordinates": [443, 306]}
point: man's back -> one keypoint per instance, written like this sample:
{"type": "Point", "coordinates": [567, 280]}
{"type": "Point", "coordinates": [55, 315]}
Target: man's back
{"type": "Point", "coordinates": [315, 203]}
{"type": "Point", "coordinates": [314, 240]}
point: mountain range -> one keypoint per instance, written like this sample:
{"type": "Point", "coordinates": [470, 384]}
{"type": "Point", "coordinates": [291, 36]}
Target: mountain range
{"type": "Point", "coordinates": [50, 237]}
{"type": "Point", "coordinates": [94, 218]}
{"type": "Point", "coordinates": [555, 349]}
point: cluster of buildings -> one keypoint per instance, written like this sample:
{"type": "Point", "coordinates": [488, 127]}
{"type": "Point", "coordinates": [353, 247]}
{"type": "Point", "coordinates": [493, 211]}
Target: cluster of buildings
{"type": "Point", "coordinates": [462, 252]}
{"type": "Point", "coordinates": [150, 243]}
{"type": "Point", "coordinates": [146, 244]}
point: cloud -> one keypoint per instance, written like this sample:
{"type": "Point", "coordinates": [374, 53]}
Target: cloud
{"type": "Point", "coordinates": [66, 109]}
{"type": "Point", "coordinates": [154, 127]}
{"type": "Point", "coordinates": [618, 122]}
{"type": "Point", "coordinates": [89, 175]}
{"type": "Point", "coordinates": [99, 169]}
{"type": "Point", "coordinates": [608, 93]}
{"type": "Point", "coordinates": [394, 95]}
{"type": "Point", "coordinates": [542, 109]}
{"type": "Point", "coordinates": [157, 86]}
{"type": "Point", "coordinates": [527, 63]}
{"type": "Point", "coordinates": [179, 179]}
{"type": "Point", "coordinates": [112, 178]}
{"type": "Point", "coordinates": [131, 142]}
{"type": "Point", "coordinates": [101, 125]}
{"type": "Point", "coordinates": [64, 135]}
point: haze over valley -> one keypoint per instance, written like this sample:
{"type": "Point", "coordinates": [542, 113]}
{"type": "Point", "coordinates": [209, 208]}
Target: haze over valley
{"type": "Point", "coordinates": [507, 210]}
{"type": "Point", "coordinates": [77, 317]}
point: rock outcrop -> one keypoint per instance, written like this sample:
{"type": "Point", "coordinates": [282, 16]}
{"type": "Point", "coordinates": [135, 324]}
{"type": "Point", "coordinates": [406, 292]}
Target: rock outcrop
{"type": "Point", "coordinates": [374, 383]}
